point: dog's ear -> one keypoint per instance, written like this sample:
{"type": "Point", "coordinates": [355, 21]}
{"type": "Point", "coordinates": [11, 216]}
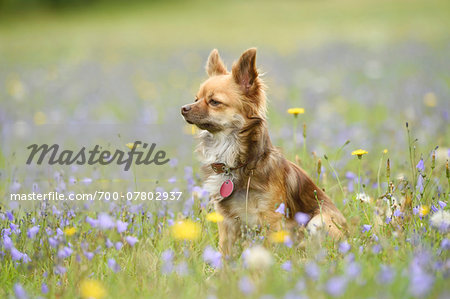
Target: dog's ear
{"type": "Point", "coordinates": [215, 65]}
{"type": "Point", "coordinates": [245, 73]}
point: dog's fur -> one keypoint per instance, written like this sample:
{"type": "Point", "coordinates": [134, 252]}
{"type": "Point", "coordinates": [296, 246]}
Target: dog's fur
{"type": "Point", "coordinates": [230, 109]}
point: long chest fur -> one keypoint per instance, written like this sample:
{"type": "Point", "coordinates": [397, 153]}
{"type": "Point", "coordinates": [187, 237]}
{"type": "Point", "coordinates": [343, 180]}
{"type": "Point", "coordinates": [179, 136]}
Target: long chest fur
{"type": "Point", "coordinates": [225, 149]}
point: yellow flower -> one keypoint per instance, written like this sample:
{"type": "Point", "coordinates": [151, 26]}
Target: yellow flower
{"type": "Point", "coordinates": [424, 210]}
{"type": "Point", "coordinates": [279, 236]}
{"type": "Point", "coordinates": [385, 151]}
{"type": "Point", "coordinates": [186, 230]}
{"type": "Point", "coordinates": [131, 144]}
{"type": "Point", "coordinates": [214, 217]}
{"type": "Point", "coordinates": [40, 118]}
{"type": "Point", "coordinates": [359, 153]}
{"type": "Point", "coordinates": [70, 231]}
{"type": "Point", "coordinates": [92, 289]}
{"type": "Point", "coordinates": [296, 111]}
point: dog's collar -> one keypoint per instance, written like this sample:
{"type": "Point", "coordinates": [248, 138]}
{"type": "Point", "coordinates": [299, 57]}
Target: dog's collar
{"type": "Point", "coordinates": [223, 168]}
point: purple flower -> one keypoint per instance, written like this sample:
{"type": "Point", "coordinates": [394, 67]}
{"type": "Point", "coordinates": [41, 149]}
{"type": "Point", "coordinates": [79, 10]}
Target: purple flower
{"type": "Point", "coordinates": [420, 282]}
{"type": "Point", "coordinates": [53, 242]}
{"type": "Point", "coordinates": [44, 288]}
{"type": "Point", "coordinates": [32, 232]}
{"type": "Point", "coordinates": [121, 226]}
{"type": "Point", "coordinates": [7, 242]}
{"type": "Point", "coordinates": [419, 184]}
{"type": "Point", "coordinates": [376, 248]}
{"type": "Point", "coordinates": [19, 291]}
{"type": "Point", "coordinates": [182, 269]}
{"type": "Point", "coordinates": [167, 258]}
{"type": "Point", "coordinates": [25, 258]}
{"type": "Point", "coordinates": [92, 222]}
{"type": "Point", "coordinates": [366, 228]}
{"type": "Point", "coordinates": [442, 204]}
{"type": "Point", "coordinates": [16, 255]}
{"type": "Point", "coordinates": [281, 209]}
{"type": "Point", "coordinates": [312, 270]}
{"type": "Point", "coordinates": [65, 252]}
{"type": "Point", "coordinates": [336, 286]}
{"type": "Point", "coordinates": [386, 275]}
{"type": "Point", "coordinates": [118, 245]}
{"type": "Point", "coordinates": [108, 243]}
{"type": "Point", "coordinates": [434, 208]}
{"type": "Point", "coordinates": [375, 238]}
{"type": "Point", "coordinates": [398, 213]}
{"type": "Point", "coordinates": [212, 257]}
{"type": "Point", "coordinates": [353, 270]}
{"type": "Point", "coordinates": [172, 180]}
{"type": "Point", "coordinates": [388, 220]}
{"type": "Point", "coordinates": [112, 264]}
{"type": "Point", "coordinates": [416, 210]}
{"type": "Point", "coordinates": [10, 216]}
{"type": "Point", "coordinates": [105, 221]}
{"type": "Point", "coordinates": [246, 286]}
{"type": "Point", "coordinates": [302, 218]}
{"type": "Point", "coordinates": [88, 255]}
{"type": "Point", "coordinates": [344, 247]}
{"type": "Point", "coordinates": [445, 244]}
{"type": "Point", "coordinates": [60, 270]}
{"type": "Point", "coordinates": [287, 266]}
{"type": "Point", "coordinates": [131, 240]}
{"type": "Point", "coordinates": [420, 166]}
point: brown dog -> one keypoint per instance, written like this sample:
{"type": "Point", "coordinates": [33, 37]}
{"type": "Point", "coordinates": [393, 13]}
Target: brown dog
{"type": "Point", "coordinates": [246, 176]}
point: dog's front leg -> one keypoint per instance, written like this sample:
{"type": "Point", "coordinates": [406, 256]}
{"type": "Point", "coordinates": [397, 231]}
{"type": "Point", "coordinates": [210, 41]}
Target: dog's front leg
{"type": "Point", "coordinates": [229, 230]}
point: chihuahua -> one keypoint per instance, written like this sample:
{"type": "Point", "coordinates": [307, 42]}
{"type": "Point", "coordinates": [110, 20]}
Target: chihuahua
{"type": "Point", "coordinates": [246, 176]}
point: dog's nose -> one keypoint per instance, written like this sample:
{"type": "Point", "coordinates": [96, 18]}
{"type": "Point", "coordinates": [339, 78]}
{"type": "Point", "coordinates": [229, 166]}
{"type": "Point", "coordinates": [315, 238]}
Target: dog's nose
{"type": "Point", "coordinates": [185, 109]}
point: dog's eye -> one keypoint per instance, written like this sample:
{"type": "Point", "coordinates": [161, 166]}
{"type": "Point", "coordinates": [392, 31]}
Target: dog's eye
{"type": "Point", "coordinates": [196, 99]}
{"type": "Point", "coordinates": [213, 102]}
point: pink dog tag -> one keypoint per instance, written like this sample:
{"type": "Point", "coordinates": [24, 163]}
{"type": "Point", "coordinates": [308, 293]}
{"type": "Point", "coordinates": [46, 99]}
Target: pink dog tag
{"type": "Point", "coordinates": [226, 189]}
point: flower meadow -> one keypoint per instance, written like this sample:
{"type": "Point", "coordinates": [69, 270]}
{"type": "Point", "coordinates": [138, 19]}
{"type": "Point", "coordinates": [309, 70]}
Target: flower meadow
{"type": "Point", "coordinates": [368, 123]}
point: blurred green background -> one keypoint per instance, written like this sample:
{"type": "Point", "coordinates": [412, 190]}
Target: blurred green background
{"type": "Point", "coordinates": [37, 30]}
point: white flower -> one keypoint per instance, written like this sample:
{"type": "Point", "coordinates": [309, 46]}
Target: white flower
{"type": "Point", "coordinates": [441, 220]}
{"type": "Point", "coordinates": [363, 197]}
{"type": "Point", "coordinates": [257, 257]}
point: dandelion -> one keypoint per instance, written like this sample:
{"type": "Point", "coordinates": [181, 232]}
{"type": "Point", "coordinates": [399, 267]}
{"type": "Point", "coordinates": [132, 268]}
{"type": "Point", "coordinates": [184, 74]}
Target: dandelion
{"type": "Point", "coordinates": [385, 151]}
{"type": "Point", "coordinates": [186, 230]}
{"type": "Point", "coordinates": [257, 257]}
{"type": "Point", "coordinates": [70, 231]}
{"type": "Point", "coordinates": [424, 210]}
{"type": "Point", "coordinates": [359, 153]}
{"type": "Point", "coordinates": [92, 289]}
{"type": "Point", "coordinates": [214, 217]}
{"type": "Point", "coordinates": [296, 111]}
{"type": "Point", "coordinates": [280, 236]}
{"type": "Point", "coordinates": [132, 145]}
{"type": "Point", "coordinates": [441, 221]}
